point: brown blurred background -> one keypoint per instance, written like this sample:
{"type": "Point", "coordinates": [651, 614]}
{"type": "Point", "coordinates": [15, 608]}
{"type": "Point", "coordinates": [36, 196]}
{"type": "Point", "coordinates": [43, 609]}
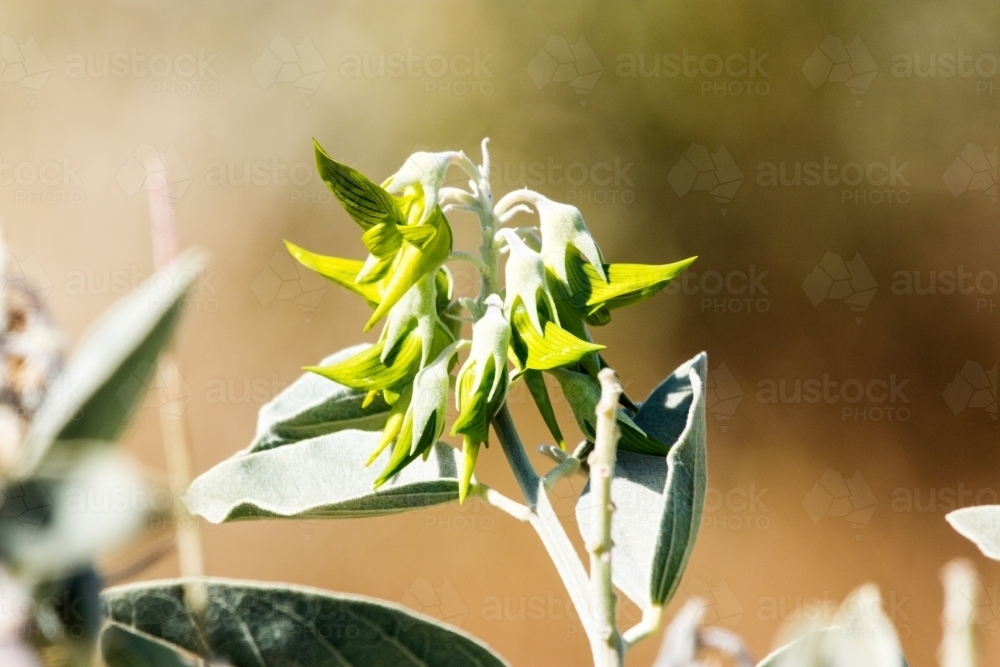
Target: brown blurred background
{"type": "Point", "coordinates": [669, 125]}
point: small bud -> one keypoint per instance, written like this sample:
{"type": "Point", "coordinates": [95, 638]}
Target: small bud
{"type": "Point", "coordinates": [419, 306]}
{"type": "Point", "coordinates": [482, 383]}
{"type": "Point", "coordinates": [563, 226]}
{"type": "Point", "coordinates": [525, 278]}
{"type": "Point", "coordinates": [419, 181]}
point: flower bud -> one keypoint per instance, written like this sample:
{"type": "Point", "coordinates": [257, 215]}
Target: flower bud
{"type": "Point", "coordinates": [482, 385]}
{"type": "Point", "coordinates": [563, 226]}
{"type": "Point", "coordinates": [419, 181]}
{"type": "Point", "coordinates": [525, 280]}
{"type": "Point", "coordinates": [419, 422]}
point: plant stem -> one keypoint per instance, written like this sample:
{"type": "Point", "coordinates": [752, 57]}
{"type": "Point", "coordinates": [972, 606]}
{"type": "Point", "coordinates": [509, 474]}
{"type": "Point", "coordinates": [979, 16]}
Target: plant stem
{"type": "Point", "coordinates": [599, 544]}
{"type": "Point", "coordinates": [518, 459]}
{"type": "Point", "coordinates": [543, 519]}
{"type": "Point", "coordinates": [540, 513]}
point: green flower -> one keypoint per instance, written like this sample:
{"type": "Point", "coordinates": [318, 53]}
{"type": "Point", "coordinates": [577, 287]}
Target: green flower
{"type": "Point", "coordinates": [583, 393]}
{"type": "Point", "coordinates": [407, 235]}
{"type": "Point", "coordinates": [413, 334]}
{"type": "Point", "coordinates": [481, 387]}
{"type": "Point", "coordinates": [563, 228]}
{"type": "Point", "coordinates": [423, 172]}
{"type": "Point", "coordinates": [595, 295]}
{"type": "Point", "coordinates": [417, 419]}
{"type": "Point", "coordinates": [538, 342]}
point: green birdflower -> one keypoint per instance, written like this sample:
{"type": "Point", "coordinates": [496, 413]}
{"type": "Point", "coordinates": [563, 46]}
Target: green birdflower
{"type": "Point", "coordinates": [538, 342]}
{"type": "Point", "coordinates": [417, 420]}
{"type": "Point", "coordinates": [563, 228]}
{"type": "Point", "coordinates": [595, 295]}
{"type": "Point", "coordinates": [583, 392]}
{"type": "Point", "coordinates": [425, 173]}
{"type": "Point", "coordinates": [481, 387]}
{"type": "Point", "coordinates": [407, 234]}
{"type": "Point", "coordinates": [413, 334]}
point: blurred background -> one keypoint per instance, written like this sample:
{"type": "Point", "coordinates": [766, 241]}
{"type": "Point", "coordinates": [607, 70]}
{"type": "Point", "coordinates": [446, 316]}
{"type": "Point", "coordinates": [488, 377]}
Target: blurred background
{"type": "Point", "coordinates": [833, 165]}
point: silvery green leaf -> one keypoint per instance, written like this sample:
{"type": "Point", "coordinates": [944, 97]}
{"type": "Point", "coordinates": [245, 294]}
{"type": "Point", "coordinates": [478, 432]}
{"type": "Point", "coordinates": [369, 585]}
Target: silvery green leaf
{"type": "Point", "coordinates": [254, 625]}
{"type": "Point", "coordinates": [659, 500]}
{"type": "Point", "coordinates": [860, 634]}
{"type": "Point", "coordinates": [122, 646]}
{"type": "Point", "coordinates": [105, 379]}
{"type": "Point", "coordinates": [57, 523]}
{"type": "Point", "coordinates": [323, 477]}
{"type": "Point", "coordinates": [313, 406]}
{"type": "Point", "coordinates": [980, 524]}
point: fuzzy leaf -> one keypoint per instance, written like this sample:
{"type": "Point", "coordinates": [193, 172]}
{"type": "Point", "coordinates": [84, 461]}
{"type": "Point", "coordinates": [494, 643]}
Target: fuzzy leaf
{"type": "Point", "coordinates": [659, 500]}
{"type": "Point", "coordinates": [313, 406]}
{"type": "Point", "coordinates": [363, 200]}
{"type": "Point", "coordinates": [324, 477]}
{"type": "Point", "coordinates": [122, 646]}
{"type": "Point", "coordinates": [981, 525]}
{"type": "Point", "coordinates": [860, 634]}
{"type": "Point", "coordinates": [251, 624]}
{"type": "Point", "coordinates": [63, 519]}
{"type": "Point", "coordinates": [108, 373]}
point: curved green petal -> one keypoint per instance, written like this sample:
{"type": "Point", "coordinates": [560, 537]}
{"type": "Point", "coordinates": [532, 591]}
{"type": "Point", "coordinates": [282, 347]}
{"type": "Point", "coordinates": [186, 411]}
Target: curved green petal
{"type": "Point", "coordinates": [412, 263]}
{"type": "Point", "coordinates": [627, 284]}
{"type": "Point", "coordinates": [367, 371]}
{"type": "Point", "coordinates": [540, 393]}
{"type": "Point", "coordinates": [366, 202]}
{"type": "Point", "coordinates": [344, 272]}
{"type": "Point", "coordinates": [557, 347]}
{"type": "Point", "coordinates": [382, 240]}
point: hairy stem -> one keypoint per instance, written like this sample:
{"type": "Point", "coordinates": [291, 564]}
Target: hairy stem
{"type": "Point", "coordinates": [540, 513]}
{"type": "Point", "coordinates": [599, 544]}
{"type": "Point", "coordinates": [513, 449]}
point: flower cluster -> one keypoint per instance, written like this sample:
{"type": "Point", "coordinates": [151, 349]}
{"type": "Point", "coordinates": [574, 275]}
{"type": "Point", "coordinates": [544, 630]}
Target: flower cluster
{"type": "Point", "coordinates": [555, 284]}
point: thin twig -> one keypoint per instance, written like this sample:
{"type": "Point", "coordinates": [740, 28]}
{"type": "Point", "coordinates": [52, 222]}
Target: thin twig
{"type": "Point", "coordinates": [175, 443]}
{"type": "Point", "coordinates": [599, 543]}
{"type": "Point", "coordinates": [496, 499]}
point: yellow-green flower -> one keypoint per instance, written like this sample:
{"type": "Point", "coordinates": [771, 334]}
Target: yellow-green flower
{"type": "Point", "coordinates": [413, 334]}
{"type": "Point", "coordinates": [424, 173]}
{"type": "Point", "coordinates": [481, 387]}
{"type": "Point", "coordinates": [583, 392]}
{"type": "Point", "coordinates": [417, 419]}
{"type": "Point", "coordinates": [595, 295]}
{"type": "Point", "coordinates": [407, 235]}
{"type": "Point", "coordinates": [538, 342]}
